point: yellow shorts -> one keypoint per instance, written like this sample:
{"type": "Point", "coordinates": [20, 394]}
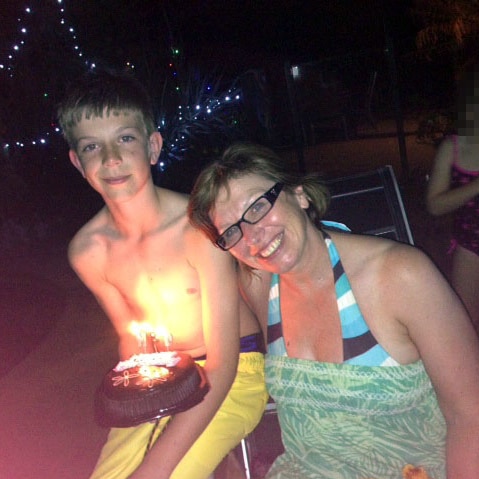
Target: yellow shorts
{"type": "Point", "coordinates": [239, 414]}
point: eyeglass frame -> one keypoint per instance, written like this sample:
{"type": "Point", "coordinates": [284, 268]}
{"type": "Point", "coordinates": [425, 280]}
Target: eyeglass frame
{"type": "Point", "coordinates": [270, 196]}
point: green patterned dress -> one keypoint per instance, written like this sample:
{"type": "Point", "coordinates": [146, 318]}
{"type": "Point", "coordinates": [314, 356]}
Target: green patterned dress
{"type": "Point", "coordinates": [363, 419]}
{"type": "Point", "coordinates": [340, 421]}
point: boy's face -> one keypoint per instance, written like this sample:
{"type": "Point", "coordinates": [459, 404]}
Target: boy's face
{"type": "Point", "coordinates": [114, 154]}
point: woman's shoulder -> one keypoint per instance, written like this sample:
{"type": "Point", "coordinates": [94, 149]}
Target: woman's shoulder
{"type": "Point", "coordinates": [362, 242]}
{"type": "Point", "coordinates": [365, 253]}
{"type": "Point", "coordinates": [401, 265]}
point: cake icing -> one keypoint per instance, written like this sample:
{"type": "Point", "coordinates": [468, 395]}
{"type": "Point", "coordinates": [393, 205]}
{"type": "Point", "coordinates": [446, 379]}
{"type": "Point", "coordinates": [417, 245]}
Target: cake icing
{"type": "Point", "coordinates": [164, 358]}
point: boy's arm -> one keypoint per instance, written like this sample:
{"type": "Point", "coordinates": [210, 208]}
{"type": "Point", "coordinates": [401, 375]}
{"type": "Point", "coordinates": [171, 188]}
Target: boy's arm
{"type": "Point", "coordinates": [87, 260]}
{"type": "Point", "coordinates": [220, 311]}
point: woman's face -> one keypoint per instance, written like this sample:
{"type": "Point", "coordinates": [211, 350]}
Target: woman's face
{"type": "Point", "coordinates": [276, 242]}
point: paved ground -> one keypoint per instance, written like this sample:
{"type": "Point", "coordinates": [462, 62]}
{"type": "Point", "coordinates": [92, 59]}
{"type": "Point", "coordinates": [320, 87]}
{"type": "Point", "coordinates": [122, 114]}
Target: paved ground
{"type": "Point", "coordinates": [47, 429]}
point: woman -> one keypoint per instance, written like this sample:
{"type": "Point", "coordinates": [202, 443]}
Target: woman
{"type": "Point", "coordinates": [372, 360]}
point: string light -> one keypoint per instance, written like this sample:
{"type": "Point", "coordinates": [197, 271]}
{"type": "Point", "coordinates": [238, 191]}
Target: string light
{"type": "Point", "coordinates": [186, 113]}
{"type": "Point", "coordinates": [7, 66]}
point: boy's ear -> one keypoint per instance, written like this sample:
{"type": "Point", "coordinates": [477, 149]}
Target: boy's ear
{"type": "Point", "coordinates": [76, 161]}
{"type": "Point", "coordinates": [154, 146]}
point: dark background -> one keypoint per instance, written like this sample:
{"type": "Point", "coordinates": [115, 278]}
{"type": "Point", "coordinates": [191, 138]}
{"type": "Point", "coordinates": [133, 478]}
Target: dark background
{"type": "Point", "coordinates": [177, 48]}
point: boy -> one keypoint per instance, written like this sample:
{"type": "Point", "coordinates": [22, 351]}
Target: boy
{"type": "Point", "coordinates": [144, 263]}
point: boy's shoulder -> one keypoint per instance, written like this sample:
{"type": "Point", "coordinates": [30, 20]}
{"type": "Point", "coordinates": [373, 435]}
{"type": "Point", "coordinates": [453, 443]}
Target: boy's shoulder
{"type": "Point", "coordinates": [88, 236]}
{"type": "Point", "coordinates": [171, 196]}
{"type": "Point", "coordinates": [200, 250]}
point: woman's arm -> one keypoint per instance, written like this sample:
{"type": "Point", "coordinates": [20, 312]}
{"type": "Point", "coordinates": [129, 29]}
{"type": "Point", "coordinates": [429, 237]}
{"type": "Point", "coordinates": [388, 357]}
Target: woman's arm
{"type": "Point", "coordinates": [420, 298]}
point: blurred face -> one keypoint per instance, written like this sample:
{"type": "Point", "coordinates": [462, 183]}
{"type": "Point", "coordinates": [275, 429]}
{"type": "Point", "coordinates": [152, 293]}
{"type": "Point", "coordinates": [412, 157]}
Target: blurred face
{"type": "Point", "coordinates": [114, 154]}
{"type": "Point", "coordinates": [275, 243]}
{"type": "Point", "coordinates": [468, 121]}
{"type": "Point", "coordinates": [468, 105]}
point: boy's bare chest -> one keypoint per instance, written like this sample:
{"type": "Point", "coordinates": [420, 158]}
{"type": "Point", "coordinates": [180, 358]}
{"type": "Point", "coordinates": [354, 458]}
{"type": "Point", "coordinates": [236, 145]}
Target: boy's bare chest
{"type": "Point", "coordinates": [158, 284]}
{"type": "Point", "coordinates": [166, 281]}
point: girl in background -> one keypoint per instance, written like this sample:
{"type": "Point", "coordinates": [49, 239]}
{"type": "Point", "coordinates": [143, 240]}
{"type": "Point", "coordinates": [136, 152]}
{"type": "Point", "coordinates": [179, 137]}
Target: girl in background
{"type": "Point", "coordinates": [454, 188]}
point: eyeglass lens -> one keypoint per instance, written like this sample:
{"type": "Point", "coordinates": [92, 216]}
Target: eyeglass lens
{"type": "Point", "coordinates": [254, 213]}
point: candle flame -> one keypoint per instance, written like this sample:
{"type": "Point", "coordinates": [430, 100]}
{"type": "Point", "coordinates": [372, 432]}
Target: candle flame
{"type": "Point", "coordinates": [163, 333]}
{"type": "Point", "coordinates": [143, 330]}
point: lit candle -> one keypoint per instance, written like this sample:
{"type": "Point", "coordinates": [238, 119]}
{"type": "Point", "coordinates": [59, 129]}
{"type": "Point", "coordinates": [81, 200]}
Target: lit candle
{"type": "Point", "coordinates": [165, 335]}
{"type": "Point", "coordinates": [147, 336]}
{"type": "Point", "coordinates": [141, 332]}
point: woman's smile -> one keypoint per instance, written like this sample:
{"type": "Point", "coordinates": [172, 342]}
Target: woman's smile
{"type": "Point", "coordinates": [272, 247]}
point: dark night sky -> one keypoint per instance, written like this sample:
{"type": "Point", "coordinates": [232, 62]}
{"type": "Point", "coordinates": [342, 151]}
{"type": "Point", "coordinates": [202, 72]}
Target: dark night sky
{"type": "Point", "coordinates": [228, 37]}
{"type": "Point", "coordinates": [239, 34]}
{"type": "Point", "coordinates": [292, 27]}
{"type": "Point", "coordinates": [236, 34]}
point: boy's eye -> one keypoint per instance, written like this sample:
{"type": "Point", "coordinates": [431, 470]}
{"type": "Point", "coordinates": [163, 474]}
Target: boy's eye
{"type": "Point", "coordinates": [127, 138]}
{"type": "Point", "coordinates": [89, 148]}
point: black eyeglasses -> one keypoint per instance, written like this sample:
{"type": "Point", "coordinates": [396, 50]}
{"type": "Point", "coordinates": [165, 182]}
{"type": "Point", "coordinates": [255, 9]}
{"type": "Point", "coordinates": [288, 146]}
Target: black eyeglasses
{"type": "Point", "coordinates": [255, 212]}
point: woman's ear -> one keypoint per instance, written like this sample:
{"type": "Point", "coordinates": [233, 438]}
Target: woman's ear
{"type": "Point", "coordinates": [301, 197]}
{"type": "Point", "coordinates": [155, 143]}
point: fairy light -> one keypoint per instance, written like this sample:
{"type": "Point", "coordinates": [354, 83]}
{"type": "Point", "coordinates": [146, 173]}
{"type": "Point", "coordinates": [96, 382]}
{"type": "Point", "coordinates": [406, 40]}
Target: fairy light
{"type": "Point", "coordinates": [7, 65]}
{"type": "Point", "coordinates": [202, 109]}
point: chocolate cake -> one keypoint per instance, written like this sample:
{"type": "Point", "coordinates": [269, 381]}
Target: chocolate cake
{"type": "Point", "coordinates": [148, 386]}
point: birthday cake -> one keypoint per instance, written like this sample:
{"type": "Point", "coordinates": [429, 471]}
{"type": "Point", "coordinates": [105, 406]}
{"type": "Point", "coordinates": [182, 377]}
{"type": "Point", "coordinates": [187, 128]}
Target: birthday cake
{"type": "Point", "coordinates": [148, 386]}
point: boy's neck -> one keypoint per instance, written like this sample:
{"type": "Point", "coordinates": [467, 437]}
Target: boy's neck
{"type": "Point", "coordinates": [138, 215]}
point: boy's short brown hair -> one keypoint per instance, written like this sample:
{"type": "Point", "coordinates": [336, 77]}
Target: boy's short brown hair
{"type": "Point", "coordinates": [100, 92]}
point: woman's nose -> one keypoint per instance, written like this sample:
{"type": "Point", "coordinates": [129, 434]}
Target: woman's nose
{"type": "Point", "coordinates": [252, 234]}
